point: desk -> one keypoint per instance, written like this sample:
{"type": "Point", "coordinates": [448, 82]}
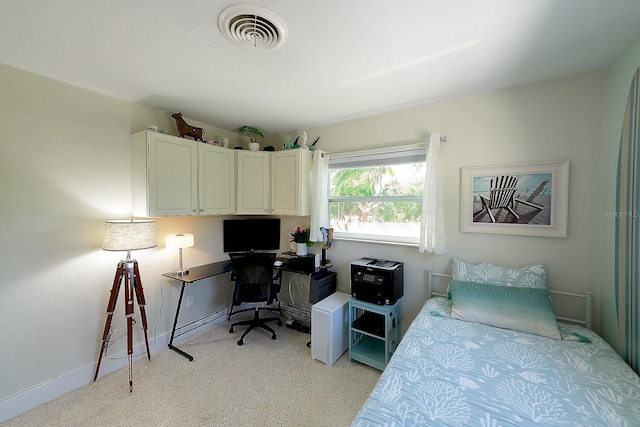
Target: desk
{"type": "Point", "coordinates": [194, 274]}
{"type": "Point", "coordinates": [323, 283]}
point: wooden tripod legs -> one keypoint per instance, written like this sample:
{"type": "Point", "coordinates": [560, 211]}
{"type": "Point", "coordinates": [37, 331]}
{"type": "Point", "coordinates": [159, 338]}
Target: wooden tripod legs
{"type": "Point", "coordinates": [128, 272]}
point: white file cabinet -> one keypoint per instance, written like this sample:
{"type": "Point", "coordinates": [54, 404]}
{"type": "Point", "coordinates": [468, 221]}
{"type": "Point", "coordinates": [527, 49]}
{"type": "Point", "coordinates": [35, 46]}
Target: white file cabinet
{"type": "Point", "coordinates": [330, 328]}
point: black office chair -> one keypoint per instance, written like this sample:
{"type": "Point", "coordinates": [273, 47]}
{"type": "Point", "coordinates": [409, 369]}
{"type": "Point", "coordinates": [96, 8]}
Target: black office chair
{"type": "Point", "coordinates": [255, 283]}
{"type": "Point", "coordinates": [277, 283]}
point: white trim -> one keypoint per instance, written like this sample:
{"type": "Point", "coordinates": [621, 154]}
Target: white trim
{"type": "Point", "coordinates": [420, 145]}
{"type": "Point", "coordinates": [377, 151]}
{"type": "Point", "coordinates": [32, 397]}
{"type": "Point", "coordinates": [376, 238]}
{"type": "Point", "coordinates": [37, 395]}
{"type": "Point", "coordinates": [377, 158]}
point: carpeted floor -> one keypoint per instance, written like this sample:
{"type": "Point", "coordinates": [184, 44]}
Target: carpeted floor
{"type": "Point", "coordinates": [264, 382]}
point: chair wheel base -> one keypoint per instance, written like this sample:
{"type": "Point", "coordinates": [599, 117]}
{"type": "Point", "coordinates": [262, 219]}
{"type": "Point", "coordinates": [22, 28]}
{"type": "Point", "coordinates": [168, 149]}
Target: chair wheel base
{"type": "Point", "coordinates": [231, 330]}
{"type": "Point", "coordinates": [279, 322]}
{"type": "Point", "coordinates": [273, 337]}
{"type": "Point", "coordinates": [240, 342]}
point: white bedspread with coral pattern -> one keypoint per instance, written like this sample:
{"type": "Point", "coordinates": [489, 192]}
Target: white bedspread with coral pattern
{"type": "Point", "coordinates": [449, 372]}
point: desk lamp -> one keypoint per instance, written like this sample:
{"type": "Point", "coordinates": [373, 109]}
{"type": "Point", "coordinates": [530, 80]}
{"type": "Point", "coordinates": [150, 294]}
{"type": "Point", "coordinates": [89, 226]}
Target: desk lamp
{"type": "Point", "coordinates": [180, 241]}
{"type": "Point", "coordinates": [127, 235]}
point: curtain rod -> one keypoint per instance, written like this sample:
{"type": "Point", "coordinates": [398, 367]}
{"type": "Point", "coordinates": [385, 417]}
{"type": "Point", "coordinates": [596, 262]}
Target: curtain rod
{"type": "Point", "coordinates": [383, 148]}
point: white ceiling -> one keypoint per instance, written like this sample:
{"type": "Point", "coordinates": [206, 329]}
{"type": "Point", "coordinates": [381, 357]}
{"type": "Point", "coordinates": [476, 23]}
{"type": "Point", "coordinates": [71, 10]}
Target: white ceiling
{"type": "Point", "coordinates": [342, 59]}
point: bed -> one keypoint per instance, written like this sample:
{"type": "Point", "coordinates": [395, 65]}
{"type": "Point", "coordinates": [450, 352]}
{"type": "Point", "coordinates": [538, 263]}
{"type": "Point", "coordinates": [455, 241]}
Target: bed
{"type": "Point", "coordinates": [456, 368]}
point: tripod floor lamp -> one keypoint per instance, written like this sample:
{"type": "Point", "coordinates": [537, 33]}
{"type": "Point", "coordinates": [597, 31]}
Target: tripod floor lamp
{"type": "Point", "coordinates": [127, 235]}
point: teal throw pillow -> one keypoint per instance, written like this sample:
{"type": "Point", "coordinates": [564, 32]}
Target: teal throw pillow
{"type": "Point", "coordinates": [520, 309]}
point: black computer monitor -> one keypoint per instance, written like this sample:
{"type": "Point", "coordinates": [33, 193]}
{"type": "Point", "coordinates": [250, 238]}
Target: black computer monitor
{"type": "Point", "coordinates": [250, 235]}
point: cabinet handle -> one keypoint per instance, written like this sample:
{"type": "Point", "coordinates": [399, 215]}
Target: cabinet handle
{"type": "Point", "coordinates": [201, 210]}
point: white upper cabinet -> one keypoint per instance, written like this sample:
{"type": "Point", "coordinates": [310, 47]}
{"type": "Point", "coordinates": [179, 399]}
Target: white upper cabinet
{"type": "Point", "coordinates": [164, 179]}
{"type": "Point", "coordinates": [172, 176]}
{"type": "Point", "coordinates": [216, 180]}
{"type": "Point", "coordinates": [252, 196]}
{"type": "Point", "coordinates": [273, 183]}
{"type": "Point", "coordinates": [290, 180]}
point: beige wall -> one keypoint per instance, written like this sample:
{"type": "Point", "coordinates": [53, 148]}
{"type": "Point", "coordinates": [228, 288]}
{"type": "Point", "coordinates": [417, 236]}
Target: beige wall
{"type": "Point", "coordinates": [64, 168]}
{"type": "Point", "coordinates": [554, 120]}
{"type": "Point", "coordinates": [619, 76]}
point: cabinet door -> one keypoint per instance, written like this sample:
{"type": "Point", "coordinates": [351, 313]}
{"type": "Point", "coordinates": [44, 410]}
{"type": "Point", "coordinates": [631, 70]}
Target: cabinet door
{"type": "Point", "coordinates": [290, 171]}
{"type": "Point", "coordinates": [164, 175]}
{"type": "Point", "coordinates": [216, 179]}
{"type": "Point", "coordinates": [253, 182]}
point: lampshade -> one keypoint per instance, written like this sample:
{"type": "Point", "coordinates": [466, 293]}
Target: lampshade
{"type": "Point", "coordinates": [179, 241]}
{"type": "Point", "coordinates": [129, 235]}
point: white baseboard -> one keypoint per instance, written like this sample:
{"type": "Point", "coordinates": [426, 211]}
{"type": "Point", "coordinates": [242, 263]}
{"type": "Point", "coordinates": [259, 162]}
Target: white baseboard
{"type": "Point", "coordinates": [44, 392]}
{"type": "Point", "coordinates": [28, 399]}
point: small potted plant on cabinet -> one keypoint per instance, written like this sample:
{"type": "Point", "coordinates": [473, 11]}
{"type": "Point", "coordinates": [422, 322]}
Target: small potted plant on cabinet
{"type": "Point", "coordinates": [253, 133]}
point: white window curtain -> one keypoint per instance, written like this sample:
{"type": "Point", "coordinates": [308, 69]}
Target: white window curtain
{"type": "Point", "coordinates": [319, 195]}
{"type": "Point", "coordinates": [432, 227]}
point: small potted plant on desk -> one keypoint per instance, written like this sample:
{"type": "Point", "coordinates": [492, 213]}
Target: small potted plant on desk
{"type": "Point", "coordinates": [301, 238]}
{"type": "Point", "coordinates": [253, 134]}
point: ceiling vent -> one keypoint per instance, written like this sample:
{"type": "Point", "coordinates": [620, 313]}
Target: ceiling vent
{"type": "Point", "coordinates": [253, 27]}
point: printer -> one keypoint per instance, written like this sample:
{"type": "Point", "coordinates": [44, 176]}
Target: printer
{"type": "Point", "coordinates": [377, 281]}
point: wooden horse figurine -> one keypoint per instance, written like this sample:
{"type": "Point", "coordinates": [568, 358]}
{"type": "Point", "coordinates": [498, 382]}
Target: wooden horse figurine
{"type": "Point", "coordinates": [185, 129]}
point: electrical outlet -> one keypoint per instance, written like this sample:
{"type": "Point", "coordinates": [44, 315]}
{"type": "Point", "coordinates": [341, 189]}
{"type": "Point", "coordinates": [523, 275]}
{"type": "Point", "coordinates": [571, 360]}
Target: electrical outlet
{"type": "Point", "coordinates": [189, 301]}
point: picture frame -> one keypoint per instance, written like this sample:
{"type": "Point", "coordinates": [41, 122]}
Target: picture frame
{"type": "Point", "coordinates": [520, 199]}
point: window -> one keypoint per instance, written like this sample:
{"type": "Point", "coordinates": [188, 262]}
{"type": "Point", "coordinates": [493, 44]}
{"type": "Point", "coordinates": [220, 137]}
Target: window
{"type": "Point", "coordinates": [377, 196]}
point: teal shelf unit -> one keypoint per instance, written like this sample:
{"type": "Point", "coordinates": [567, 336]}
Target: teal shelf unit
{"type": "Point", "coordinates": [374, 332]}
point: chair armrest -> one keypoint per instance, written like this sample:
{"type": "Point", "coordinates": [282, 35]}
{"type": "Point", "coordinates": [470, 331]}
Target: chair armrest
{"type": "Point", "coordinates": [533, 205]}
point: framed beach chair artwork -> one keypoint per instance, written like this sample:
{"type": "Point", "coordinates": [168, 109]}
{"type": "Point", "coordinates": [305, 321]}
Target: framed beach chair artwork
{"type": "Point", "coordinates": [526, 199]}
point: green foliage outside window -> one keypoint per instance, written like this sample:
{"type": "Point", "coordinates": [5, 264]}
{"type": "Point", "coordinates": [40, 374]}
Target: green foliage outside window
{"type": "Point", "coordinates": [362, 185]}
